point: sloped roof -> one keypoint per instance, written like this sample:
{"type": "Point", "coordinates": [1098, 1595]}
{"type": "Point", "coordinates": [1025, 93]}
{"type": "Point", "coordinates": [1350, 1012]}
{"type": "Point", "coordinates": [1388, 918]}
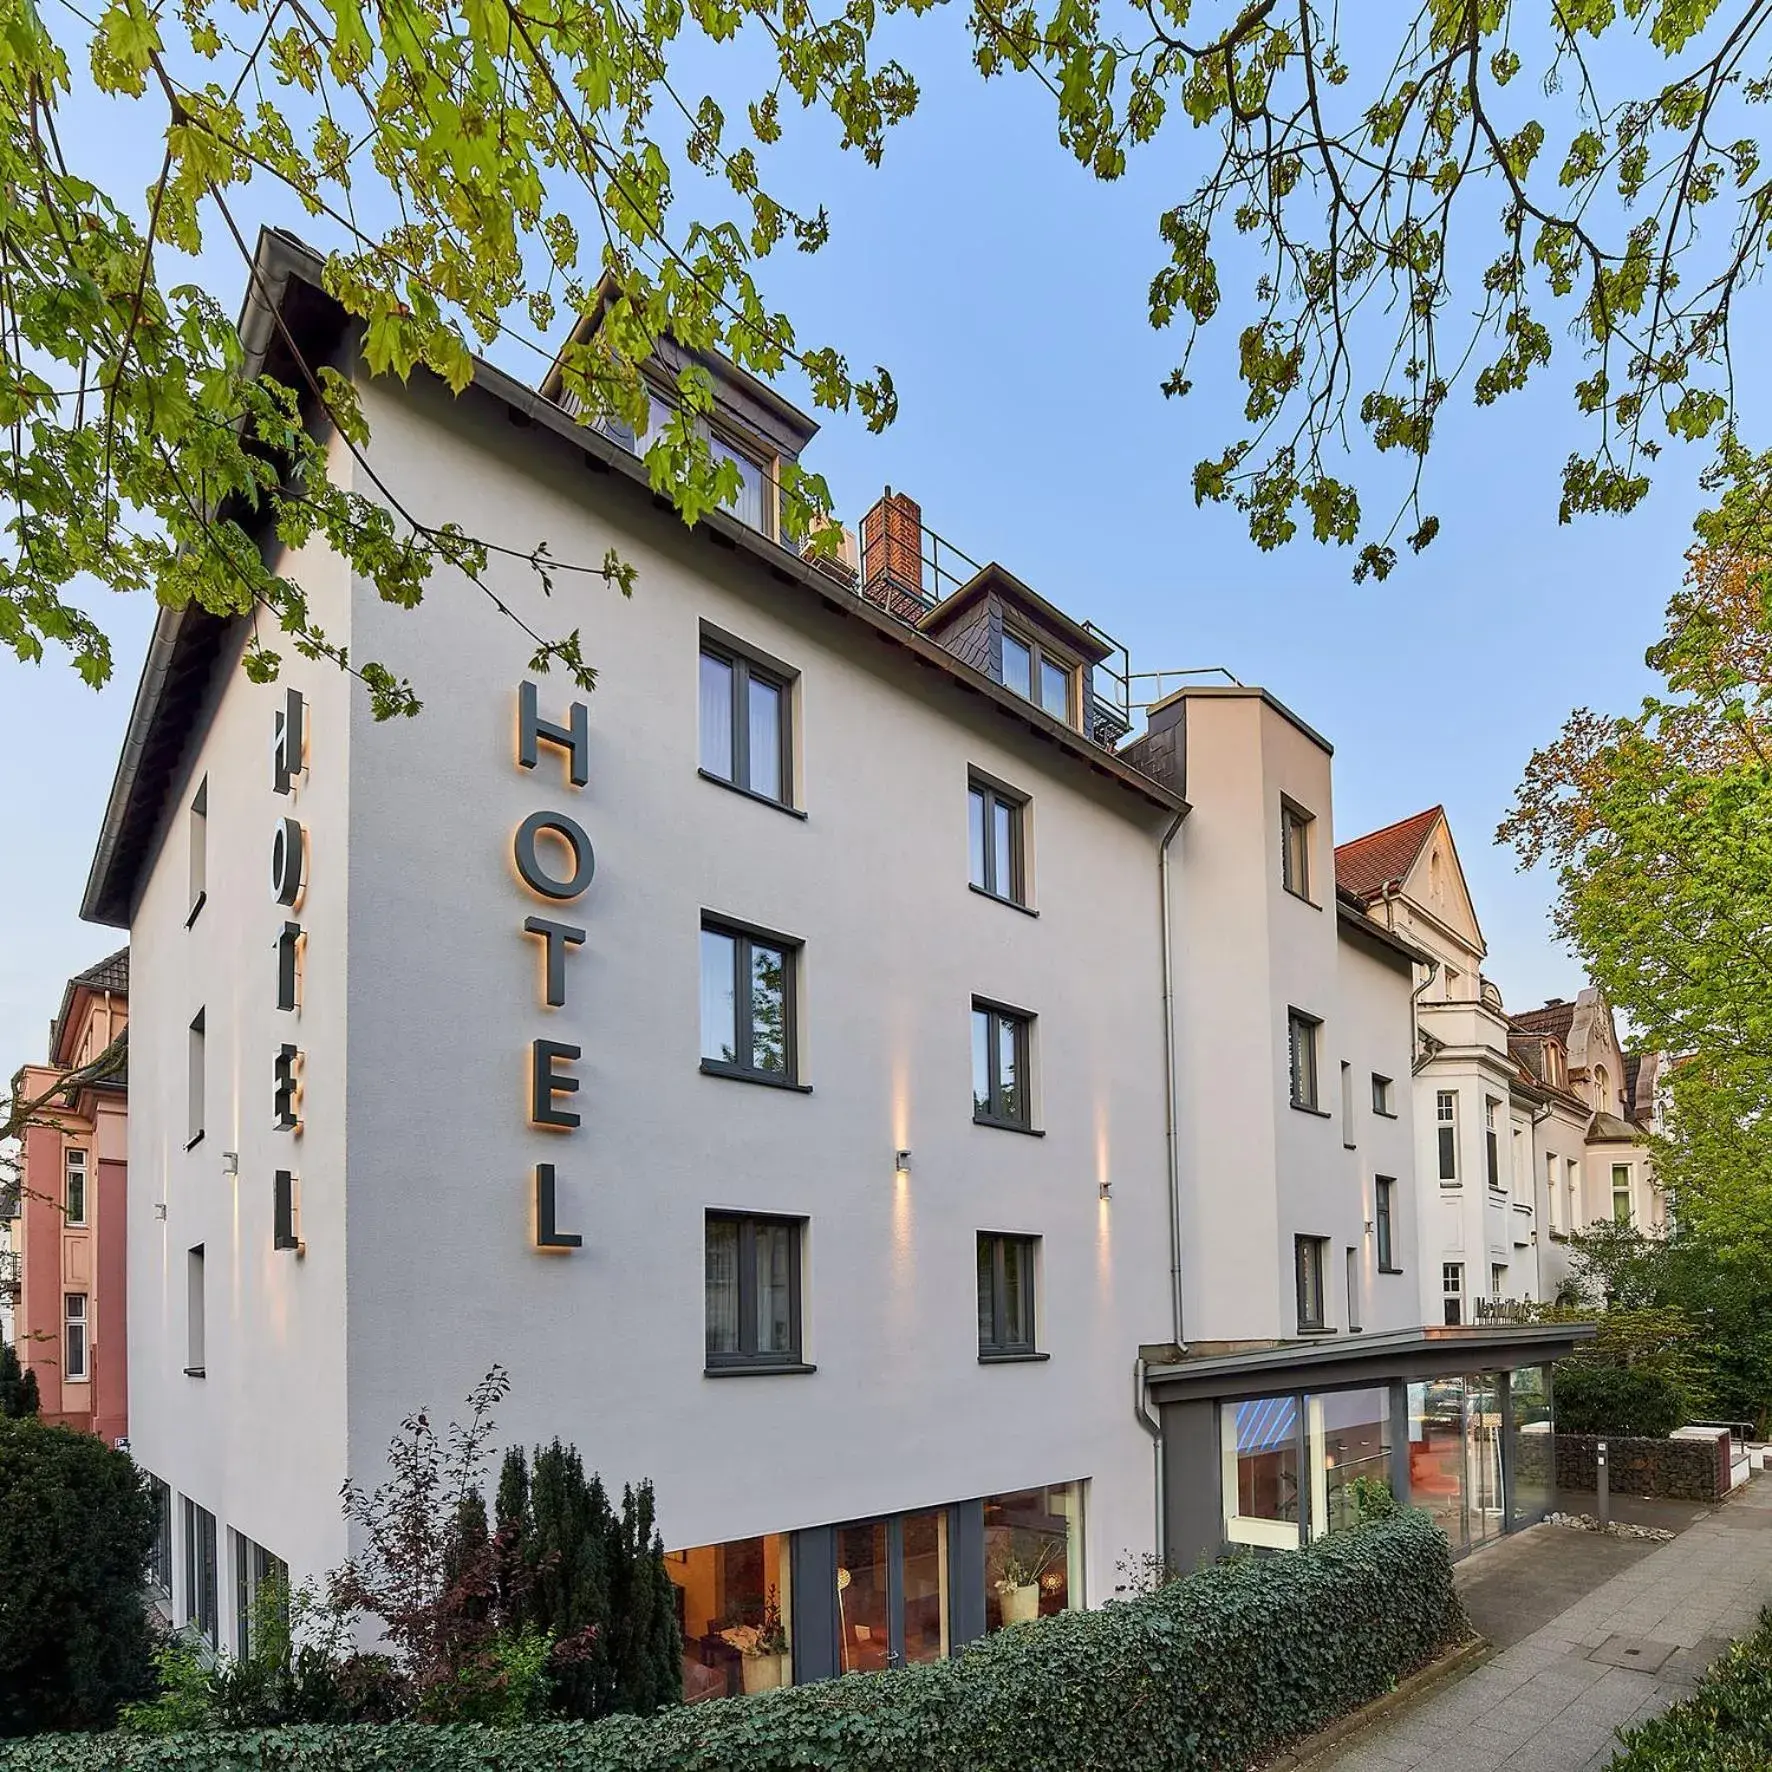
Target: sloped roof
{"type": "Point", "coordinates": [110, 974]}
{"type": "Point", "coordinates": [1633, 1069]}
{"type": "Point", "coordinates": [1554, 1018]}
{"type": "Point", "coordinates": [1379, 859]}
{"type": "Point", "coordinates": [1608, 1128]}
{"type": "Point", "coordinates": [1528, 1053]}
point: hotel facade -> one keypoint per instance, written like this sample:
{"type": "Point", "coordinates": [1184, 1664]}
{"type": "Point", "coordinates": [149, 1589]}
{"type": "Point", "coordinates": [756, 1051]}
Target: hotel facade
{"type": "Point", "coordinates": [951, 1149]}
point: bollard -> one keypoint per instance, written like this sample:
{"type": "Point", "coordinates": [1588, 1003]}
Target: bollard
{"type": "Point", "coordinates": [1601, 1483]}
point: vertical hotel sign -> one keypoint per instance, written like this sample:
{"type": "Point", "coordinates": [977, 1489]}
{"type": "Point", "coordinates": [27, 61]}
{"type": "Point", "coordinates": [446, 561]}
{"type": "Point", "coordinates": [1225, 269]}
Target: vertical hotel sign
{"type": "Point", "coordinates": [555, 861]}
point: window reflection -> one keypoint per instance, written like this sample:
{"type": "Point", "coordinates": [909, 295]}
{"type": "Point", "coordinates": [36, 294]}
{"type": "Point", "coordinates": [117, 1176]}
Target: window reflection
{"type": "Point", "coordinates": [735, 1609]}
{"type": "Point", "coordinates": [1033, 1548]}
{"type": "Point", "coordinates": [1356, 1443]}
{"type": "Point", "coordinates": [1263, 1471]}
{"type": "Point", "coordinates": [1436, 1453]}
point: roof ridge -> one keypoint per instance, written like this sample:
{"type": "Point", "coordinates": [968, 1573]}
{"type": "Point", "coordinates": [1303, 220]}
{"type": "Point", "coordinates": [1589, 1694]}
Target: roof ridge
{"type": "Point", "coordinates": [1395, 825]}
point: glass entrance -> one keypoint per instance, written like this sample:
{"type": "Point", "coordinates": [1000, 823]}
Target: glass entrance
{"type": "Point", "coordinates": [892, 1600]}
{"type": "Point", "coordinates": [1485, 1507]}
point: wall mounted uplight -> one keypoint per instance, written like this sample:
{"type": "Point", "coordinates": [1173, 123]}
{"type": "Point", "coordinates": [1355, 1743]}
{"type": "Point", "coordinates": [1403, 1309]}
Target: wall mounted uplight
{"type": "Point", "coordinates": [901, 1162]}
{"type": "Point", "coordinates": [230, 1162]}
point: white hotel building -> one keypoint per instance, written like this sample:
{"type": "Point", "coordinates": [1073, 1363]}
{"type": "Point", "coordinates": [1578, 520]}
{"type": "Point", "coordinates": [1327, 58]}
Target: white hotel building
{"type": "Point", "coordinates": [946, 1148]}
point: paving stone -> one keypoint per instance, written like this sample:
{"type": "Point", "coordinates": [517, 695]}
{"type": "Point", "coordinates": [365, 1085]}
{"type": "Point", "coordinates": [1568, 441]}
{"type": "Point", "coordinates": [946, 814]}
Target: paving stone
{"type": "Point", "coordinates": [1564, 1609]}
{"type": "Point", "coordinates": [1639, 1654]}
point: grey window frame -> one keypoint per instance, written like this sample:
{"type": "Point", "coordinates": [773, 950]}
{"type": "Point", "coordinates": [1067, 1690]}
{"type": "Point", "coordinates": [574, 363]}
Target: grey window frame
{"type": "Point", "coordinates": [1452, 1293]}
{"type": "Point", "coordinates": [1024, 1047]}
{"type": "Point", "coordinates": [749, 1359]}
{"type": "Point", "coordinates": [1296, 1020]}
{"type": "Point", "coordinates": [1384, 1221]}
{"type": "Point", "coordinates": [1381, 1095]}
{"type": "Point", "coordinates": [1497, 1276]}
{"type": "Point", "coordinates": [1294, 817]}
{"type": "Point", "coordinates": [745, 665]}
{"type": "Point", "coordinates": [1039, 652]}
{"type": "Point", "coordinates": [1492, 1143]}
{"type": "Point", "coordinates": [160, 1572]}
{"type": "Point", "coordinates": [745, 937]}
{"type": "Point", "coordinates": [1308, 1257]}
{"type": "Point", "coordinates": [202, 1578]}
{"type": "Point", "coordinates": [997, 1346]}
{"type": "Point", "coordinates": [197, 1078]}
{"type": "Point", "coordinates": [1015, 805]}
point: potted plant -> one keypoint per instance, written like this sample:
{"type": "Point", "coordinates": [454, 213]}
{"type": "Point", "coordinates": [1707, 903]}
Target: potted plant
{"type": "Point", "coordinates": [1022, 1558]}
{"type": "Point", "coordinates": [766, 1658]}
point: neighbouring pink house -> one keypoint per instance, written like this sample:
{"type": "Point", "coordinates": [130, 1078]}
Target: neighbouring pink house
{"type": "Point", "coordinates": [71, 1234]}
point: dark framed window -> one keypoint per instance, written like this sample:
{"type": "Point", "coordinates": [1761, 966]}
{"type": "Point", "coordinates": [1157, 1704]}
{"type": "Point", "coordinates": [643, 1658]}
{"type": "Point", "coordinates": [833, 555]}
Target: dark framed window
{"type": "Point", "coordinates": [1308, 1258]}
{"type": "Point", "coordinates": [1005, 1295]}
{"type": "Point", "coordinates": [1452, 1291]}
{"type": "Point", "coordinates": [995, 836]}
{"type": "Point", "coordinates": [202, 1600]}
{"type": "Point", "coordinates": [1446, 1132]}
{"type": "Point", "coordinates": [1384, 1215]}
{"type": "Point", "coordinates": [752, 1291]}
{"type": "Point", "coordinates": [1295, 849]}
{"type": "Point", "coordinates": [199, 850]}
{"type": "Point", "coordinates": [261, 1595]}
{"type": "Point", "coordinates": [747, 1004]}
{"type": "Point", "coordinates": [1037, 675]}
{"type": "Point", "coordinates": [746, 724]}
{"type": "Point", "coordinates": [1301, 1038]}
{"type": "Point", "coordinates": [1381, 1096]}
{"type": "Point", "coordinates": [1001, 1095]}
{"type": "Point", "coordinates": [160, 1557]}
{"type": "Point", "coordinates": [1491, 1141]}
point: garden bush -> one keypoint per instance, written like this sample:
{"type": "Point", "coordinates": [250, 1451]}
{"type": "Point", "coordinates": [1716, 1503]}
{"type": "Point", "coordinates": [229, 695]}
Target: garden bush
{"type": "Point", "coordinates": [1221, 1669]}
{"type": "Point", "coordinates": [76, 1528]}
{"type": "Point", "coordinates": [1725, 1726]}
{"type": "Point", "coordinates": [1623, 1400]}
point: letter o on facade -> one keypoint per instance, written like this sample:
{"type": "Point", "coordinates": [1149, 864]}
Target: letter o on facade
{"type": "Point", "coordinates": [571, 833]}
{"type": "Point", "coordinates": [289, 860]}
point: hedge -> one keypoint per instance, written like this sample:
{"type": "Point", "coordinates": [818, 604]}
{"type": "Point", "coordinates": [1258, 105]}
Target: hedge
{"type": "Point", "coordinates": [1626, 1400]}
{"type": "Point", "coordinates": [1219, 1670]}
{"type": "Point", "coordinates": [1725, 1726]}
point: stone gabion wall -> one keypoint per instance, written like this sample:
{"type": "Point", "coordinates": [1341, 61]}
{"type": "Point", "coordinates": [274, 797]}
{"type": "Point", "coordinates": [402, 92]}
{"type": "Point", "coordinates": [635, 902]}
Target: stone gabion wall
{"type": "Point", "coordinates": [1670, 1470]}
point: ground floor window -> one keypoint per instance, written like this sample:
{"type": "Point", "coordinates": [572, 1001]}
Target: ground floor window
{"type": "Point", "coordinates": [1455, 1461]}
{"type": "Point", "coordinates": [1033, 1554]}
{"type": "Point", "coordinates": [261, 1596]}
{"type": "Point", "coordinates": [1356, 1441]}
{"type": "Point", "coordinates": [735, 1606]}
{"type": "Point", "coordinates": [1532, 1447]}
{"type": "Point", "coordinates": [202, 1598]}
{"type": "Point", "coordinates": [1264, 1471]}
{"type": "Point", "coordinates": [160, 1556]}
{"type": "Point", "coordinates": [867, 1595]}
{"type": "Point", "coordinates": [1292, 1463]}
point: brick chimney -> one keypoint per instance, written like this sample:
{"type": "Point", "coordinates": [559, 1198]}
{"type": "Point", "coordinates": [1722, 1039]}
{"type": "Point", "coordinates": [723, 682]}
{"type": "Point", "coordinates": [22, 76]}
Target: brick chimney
{"type": "Point", "coordinates": [892, 556]}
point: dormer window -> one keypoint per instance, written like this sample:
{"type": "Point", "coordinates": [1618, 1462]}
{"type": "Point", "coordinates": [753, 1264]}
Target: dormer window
{"type": "Point", "coordinates": [1038, 676]}
{"type": "Point", "coordinates": [751, 507]}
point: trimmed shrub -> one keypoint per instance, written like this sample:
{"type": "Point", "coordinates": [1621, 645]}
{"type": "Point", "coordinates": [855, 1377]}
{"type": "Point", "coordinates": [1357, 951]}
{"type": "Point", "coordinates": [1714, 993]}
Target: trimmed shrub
{"type": "Point", "coordinates": [76, 1529]}
{"type": "Point", "coordinates": [1219, 1670]}
{"type": "Point", "coordinates": [1627, 1400]}
{"type": "Point", "coordinates": [1725, 1726]}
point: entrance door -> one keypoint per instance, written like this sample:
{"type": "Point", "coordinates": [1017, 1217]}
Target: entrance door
{"type": "Point", "coordinates": [1486, 1509]}
{"type": "Point", "coordinates": [892, 1591]}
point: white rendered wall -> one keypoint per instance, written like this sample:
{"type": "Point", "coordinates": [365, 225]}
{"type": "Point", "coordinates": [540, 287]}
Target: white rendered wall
{"type": "Point", "coordinates": [260, 1440]}
{"type": "Point", "coordinates": [605, 1344]}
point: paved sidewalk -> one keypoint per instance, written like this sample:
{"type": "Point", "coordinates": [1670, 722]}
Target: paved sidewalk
{"type": "Point", "coordinates": [1553, 1697]}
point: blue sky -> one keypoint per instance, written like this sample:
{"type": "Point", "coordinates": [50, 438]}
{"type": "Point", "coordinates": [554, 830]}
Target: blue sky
{"type": "Point", "coordinates": [1005, 289]}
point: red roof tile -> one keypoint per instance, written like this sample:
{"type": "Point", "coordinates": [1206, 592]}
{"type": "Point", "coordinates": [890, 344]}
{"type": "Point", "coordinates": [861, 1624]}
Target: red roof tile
{"type": "Point", "coordinates": [1554, 1018]}
{"type": "Point", "coordinates": [1368, 864]}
